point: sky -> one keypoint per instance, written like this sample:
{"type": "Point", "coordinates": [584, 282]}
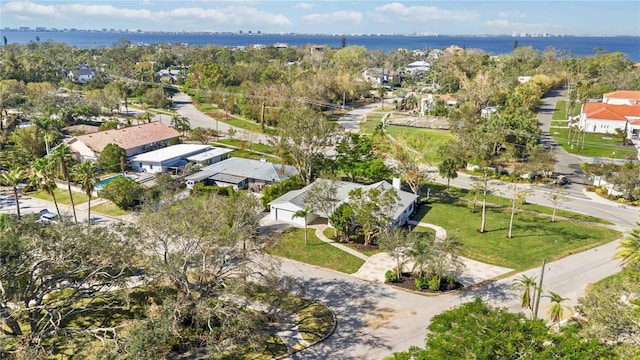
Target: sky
{"type": "Point", "coordinates": [470, 17]}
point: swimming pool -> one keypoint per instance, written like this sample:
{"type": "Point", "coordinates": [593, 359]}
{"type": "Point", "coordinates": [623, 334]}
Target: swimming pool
{"type": "Point", "coordinates": [102, 183]}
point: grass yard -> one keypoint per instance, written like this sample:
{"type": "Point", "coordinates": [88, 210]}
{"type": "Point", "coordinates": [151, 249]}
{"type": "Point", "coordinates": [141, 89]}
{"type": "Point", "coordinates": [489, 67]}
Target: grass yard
{"type": "Point", "coordinates": [372, 120]}
{"type": "Point", "coordinates": [62, 196]}
{"type": "Point", "coordinates": [426, 141]}
{"type": "Point", "coordinates": [534, 236]}
{"type": "Point", "coordinates": [245, 145]}
{"type": "Point", "coordinates": [255, 156]}
{"type": "Point", "coordinates": [317, 252]}
{"type": "Point", "coordinates": [108, 208]}
{"type": "Point", "coordinates": [604, 146]}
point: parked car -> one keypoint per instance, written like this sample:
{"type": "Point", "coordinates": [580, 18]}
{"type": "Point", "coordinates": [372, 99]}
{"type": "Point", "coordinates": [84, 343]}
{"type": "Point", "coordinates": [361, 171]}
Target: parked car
{"type": "Point", "coordinates": [562, 180]}
{"type": "Point", "coordinates": [47, 217]}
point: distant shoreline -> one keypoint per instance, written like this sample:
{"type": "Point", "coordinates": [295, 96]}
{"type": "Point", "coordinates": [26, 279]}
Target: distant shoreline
{"type": "Point", "coordinates": [492, 44]}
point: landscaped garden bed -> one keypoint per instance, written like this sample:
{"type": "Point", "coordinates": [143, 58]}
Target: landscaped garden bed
{"type": "Point", "coordinates": [437, 285]}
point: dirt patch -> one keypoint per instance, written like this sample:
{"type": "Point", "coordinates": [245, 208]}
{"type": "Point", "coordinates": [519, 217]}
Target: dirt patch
{"type": "Point", "coordinates": [427, 122]}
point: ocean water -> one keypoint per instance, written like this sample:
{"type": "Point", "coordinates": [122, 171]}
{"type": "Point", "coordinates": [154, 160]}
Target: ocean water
{"type": "Point", "coordinates": [570, 45]}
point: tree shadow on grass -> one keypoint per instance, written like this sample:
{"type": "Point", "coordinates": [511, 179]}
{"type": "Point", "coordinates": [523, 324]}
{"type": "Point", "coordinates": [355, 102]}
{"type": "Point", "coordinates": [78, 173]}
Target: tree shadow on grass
{"type": "Point", "coordinates": [357, 313]}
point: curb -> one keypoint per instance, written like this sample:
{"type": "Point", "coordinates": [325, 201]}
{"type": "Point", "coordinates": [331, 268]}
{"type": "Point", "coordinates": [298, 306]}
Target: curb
{"type": "Point", "coordinates": [325, 337]}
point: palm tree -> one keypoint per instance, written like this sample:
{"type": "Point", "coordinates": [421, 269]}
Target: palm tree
{"type": "Point", "coordinates": [303, 214]}
{"type": "Point", "coordinates": [528, 286]}
{"type": "Point", "coordinates": [12, 178]}
{"type": "Point", "coordinates": [86, 173]}
{"type": "Point", "coordinates": [629, 248]}
{"type": "Point", "coordinates": [43, 177]}
{"type": "Point", "coordinates": [63, 157]}
{"type": "Point", "coordinates": [382, 91]}
{"type": "Point", "coordinates": [556, 308]}
{"type": "Point", "coordinates": [448, 170]}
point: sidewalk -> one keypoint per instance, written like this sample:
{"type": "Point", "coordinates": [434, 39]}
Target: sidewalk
{"type": "Point", "coordinates": [376, 266]}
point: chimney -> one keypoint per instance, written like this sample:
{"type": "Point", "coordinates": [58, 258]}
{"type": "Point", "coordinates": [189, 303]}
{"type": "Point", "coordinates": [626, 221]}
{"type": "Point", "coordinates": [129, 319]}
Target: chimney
{"type": "Point", "coordinates": [396, 183]}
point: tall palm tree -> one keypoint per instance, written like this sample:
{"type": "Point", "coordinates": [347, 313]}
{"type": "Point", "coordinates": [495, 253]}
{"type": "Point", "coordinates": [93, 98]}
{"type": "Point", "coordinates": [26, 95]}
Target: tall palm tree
{"type": "Point", "coordinates": [382, 91]}
{"type": "Point", "coordinates": [12, 178]}
{"type": "Point", "coordinates": [303, 214]}
{"type": "Point", "coordinates": [629, 248]}
{"type": "Point", "coordinates": [43, 177]}
{"type": "Point", "coordinates": [528, 286]}
{"type": "Point", "coordinates": [86, 173]}
{"type": "Point", "coordinates": [556, 308]}
{"type": "Point", "coordinates": [63, 157]}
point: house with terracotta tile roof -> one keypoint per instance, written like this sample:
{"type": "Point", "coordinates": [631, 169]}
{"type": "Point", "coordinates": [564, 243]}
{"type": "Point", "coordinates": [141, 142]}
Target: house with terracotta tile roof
{"type": "Point", "coordinates": [607, 118]}
{"type": "Point", "coordinates": [622, 97]}
{"type": "Point", "coordinates": [134, 140]}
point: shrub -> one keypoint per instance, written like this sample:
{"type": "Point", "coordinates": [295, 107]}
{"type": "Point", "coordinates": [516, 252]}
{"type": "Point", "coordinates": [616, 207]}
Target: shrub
{"type": "Point", "coordinates": [390, 276]}
{"type": "Point", "coordinates": [421, 283]}
{"type": "Point", "coordinates": [622, 200]}
{"type": "Point", "coordinates": [434, 283]}
{"type": "Point", "coordinates": [451, 278]}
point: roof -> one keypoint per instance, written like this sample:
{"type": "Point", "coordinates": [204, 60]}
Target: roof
{"type": "Point", "coordinates": [229, 179]}
{"type": "Point", "coordinates": [171, 152]}
{"type": "Point", "coordinates": [444, 97]}
{"type": "Point", "coordinates": [623, 94]}
{"type": "Point", "coordinates": [129, 137]}
{"type": "Point", "coordinates": [603, 111]}
{"type": "Point", "coordinates": [298, 197]}
{"type": "Point", "coordinates": [210, 154]}
{"type": "Point", "coordinates": [249, 168]}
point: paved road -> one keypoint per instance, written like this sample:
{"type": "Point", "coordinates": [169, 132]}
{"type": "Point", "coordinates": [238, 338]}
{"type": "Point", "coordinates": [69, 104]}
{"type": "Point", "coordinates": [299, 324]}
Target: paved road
{"type": "Point", "coordinates": [183, 105]}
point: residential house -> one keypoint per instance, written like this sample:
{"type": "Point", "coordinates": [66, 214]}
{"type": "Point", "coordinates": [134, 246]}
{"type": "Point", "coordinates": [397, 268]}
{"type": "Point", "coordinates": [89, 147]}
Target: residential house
{"type": "Point", "coordinates": [607, 118]}
{"type": "Point", "coordinates": [211, 156]}
{"type": "Point", "coordinates": [417, 66]}
{"type": "Point", "coordinates": [81, 75]}
{"type": "Point", "coordinates": [622, 97]}
{"type": "Point", "coordinates": [171, 74]}
{"type": "Point", "coordinates": [428, 101]}
{"type": "Point", "coordinates": [284, 207]}
{"type": "Point", "coordinates": [133, 139]}
{"type": "Point", "coordinates": [241, 173]}
{"type": "Point", "coordinates": [168, 159]}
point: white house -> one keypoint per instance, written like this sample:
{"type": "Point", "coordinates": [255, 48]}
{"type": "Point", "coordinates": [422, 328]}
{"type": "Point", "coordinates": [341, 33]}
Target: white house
{"type": "Point", "coordinates": [286, 205]}
{"type": "Point", "coordinates": [418, 66]}
{"type": "Point", "coordinates": [622, 97]}
{"type": "Point", "coordinates": [606, 118]}
{"type": "Point", "coordinates": [81, 75]}
{"type": "Point", "coordinates": [428, 101]}
{"type": "Point", "coordinates": [168, 158]}
{"type": "Point", "coordinates": [211, 156]}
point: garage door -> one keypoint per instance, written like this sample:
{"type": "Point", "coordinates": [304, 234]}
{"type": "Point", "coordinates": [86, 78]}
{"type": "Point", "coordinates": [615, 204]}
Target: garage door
{"type": "Point", "coordinates": [284, 215]}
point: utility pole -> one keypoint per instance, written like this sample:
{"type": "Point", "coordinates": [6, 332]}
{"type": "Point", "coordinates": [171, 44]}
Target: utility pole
{"type": "Point", "coordinates": [262, 116]}
{"type": "Point", "coordinates": [539, 290]}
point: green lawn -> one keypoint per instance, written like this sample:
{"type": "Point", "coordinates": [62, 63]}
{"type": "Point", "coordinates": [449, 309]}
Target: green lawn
{"type": "Point", "coordinates": [316, 252]}
{"type": "Point", "coordinates": [245, 145]}
{"type": "Point", "coordinates": [255, 156]}
{"type": "Point", "coordinates": [372, 120]}
{"type": "Point", "coordinates": [426, 141]}
{"type": "Point", "coordinates": [108, 208]}
{"type": "Point", "coordinates": [534, 237]}
{"type": "Point", "coordinates": [62, 196]}
{"type": "Point", "coordinates": [595, 145]}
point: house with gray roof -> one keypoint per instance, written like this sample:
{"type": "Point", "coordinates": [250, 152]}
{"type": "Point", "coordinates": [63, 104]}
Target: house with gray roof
{"type": "Point", "coordinates": [241, 173]}
{"type": "Point", "coordinates": [288, 204]}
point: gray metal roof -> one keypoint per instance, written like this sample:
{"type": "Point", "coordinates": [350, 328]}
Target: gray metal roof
{"type": "Point", "coordinates": [252, 169]}
{"type": "Point", "coordinates": [298, 197]}
{"type": "Point", "coordinates": [229, 179]}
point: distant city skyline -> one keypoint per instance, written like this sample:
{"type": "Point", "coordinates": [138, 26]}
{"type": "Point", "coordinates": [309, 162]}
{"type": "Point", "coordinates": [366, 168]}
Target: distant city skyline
{"type": "Point", "coordinates": [595, 18]}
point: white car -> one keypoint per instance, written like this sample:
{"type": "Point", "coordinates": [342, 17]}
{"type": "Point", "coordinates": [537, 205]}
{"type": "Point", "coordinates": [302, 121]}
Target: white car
{"type": "Point", "coordinates": [47, 217]}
